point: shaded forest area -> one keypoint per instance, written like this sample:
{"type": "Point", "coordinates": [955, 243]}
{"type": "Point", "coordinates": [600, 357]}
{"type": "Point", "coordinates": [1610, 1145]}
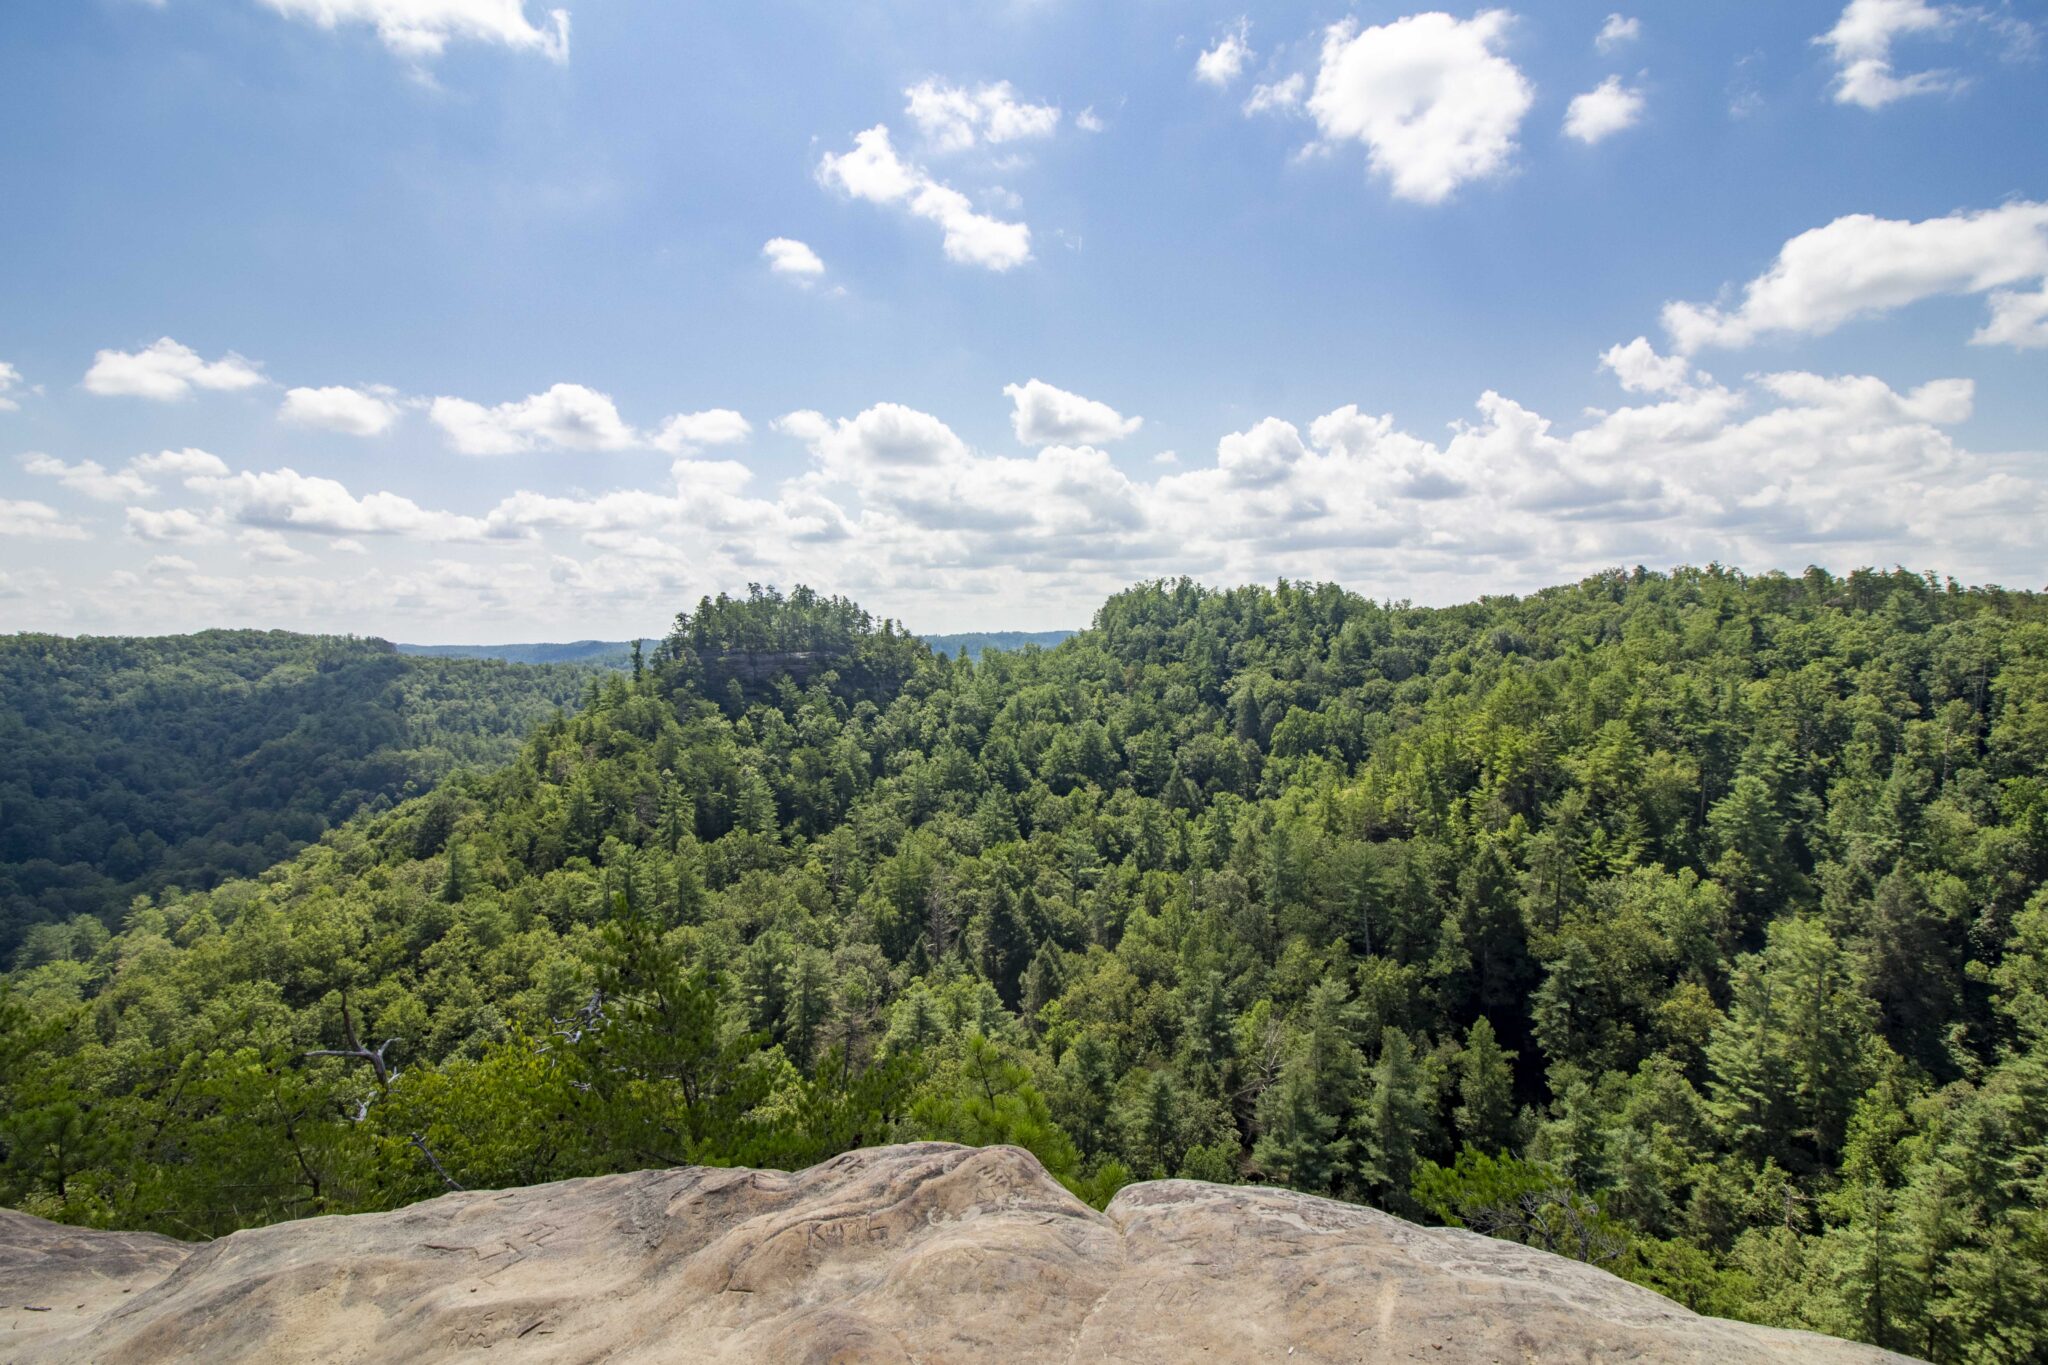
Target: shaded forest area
{"type": "Point", "coordinates": [136, 765]}
{"type": "Point", "coordinates": [1691, 924]}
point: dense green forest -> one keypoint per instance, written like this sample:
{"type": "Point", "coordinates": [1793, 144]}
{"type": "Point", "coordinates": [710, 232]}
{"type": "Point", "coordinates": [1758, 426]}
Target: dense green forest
{"type": "Point", "coordinates": [1692, 924]}
{"type": "Point", "coordinates": [136, 765]}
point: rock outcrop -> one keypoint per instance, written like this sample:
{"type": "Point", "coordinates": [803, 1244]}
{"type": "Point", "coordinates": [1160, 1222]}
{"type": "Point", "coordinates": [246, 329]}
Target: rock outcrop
{"type": "Point", "coordinates": [924, 1253]}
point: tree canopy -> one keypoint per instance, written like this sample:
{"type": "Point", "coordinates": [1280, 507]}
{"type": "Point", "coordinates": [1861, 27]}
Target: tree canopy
{"type": "Point", "coordinates": [1689, 923]}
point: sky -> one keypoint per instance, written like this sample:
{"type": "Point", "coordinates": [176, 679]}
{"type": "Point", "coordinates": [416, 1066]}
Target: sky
{"type": "Point", "coordinates": [474, 320]}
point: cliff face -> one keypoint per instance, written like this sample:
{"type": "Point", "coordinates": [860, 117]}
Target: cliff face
{"type": "Point", "coordinates": [924, 1253]}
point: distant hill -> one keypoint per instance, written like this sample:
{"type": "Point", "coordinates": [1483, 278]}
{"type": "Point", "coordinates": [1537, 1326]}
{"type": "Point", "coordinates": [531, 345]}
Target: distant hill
{"type": "Point", "coordinates": [134, 764]}
{"type": "Point", "coordinates": [616, 653]}
{"type": "Point", "coordinates": [974, 642]}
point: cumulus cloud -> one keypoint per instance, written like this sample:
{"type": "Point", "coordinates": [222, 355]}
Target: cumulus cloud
{"type": "Point", "coordinates": [1262, 456]}
{"type": "Point", "coordinates": [136, 480]}
{"type": "Point", "coordinates": [270, 547]}
{"type": "Point", "coordinates": [566, 417]}
{"type": "Point", "coordinates": [1048, 416]}
{"type": "Point", "coordinates": [286, 500]}
{"type": "Point", "coordinates": [873, 171]}
{"type": "Point", "coordinates": [27, 520]}
{"type": "Point", "coordinates": [788, 256]}
{"type": "Point", "coordinates": [1617, 32]}
{"type": "Point", "coordinates": [691, 431]}
{"type": "Point", "coordinates": [1088, 121]}
{"type": "Point", "coordinates": [166, 371]}
{"type": "Point", "coordinates": [1434, 102]}
{"type": "Point", "coordinates": [353, 412]}
{"type": "Point", "coordinates": [885, 436]}
{"type": "Point", "coordinates": [573, 417]}
{"type": "Point", "coordinates": [894, 505]}
{"type": "Point", "coordinates": [179, 464]}
{"type": "Point", "coordinates": [1862, 266]}
{"type": "Point", "coordinates": [1603, 111]}
{"type": "Point", "coordinates": [953, 118]}
{"type": "Point", "coordinates": [89, 477]}
{"type": "Point", "coordinates": [1797, 467]}
{"type": "Point", "coordinates": [1282, 96]}
{"type": "Point", "coordinates": [10, 380]}
{"type": "Point", "coordinates": [178, 525]}
{"type": "Point", "coordinates": [1639, 369]}
{"type": "Point", "coordinates": [1222, 63]}
{"type": "Point", "coordinates": [1861, 45]}
{"type": "Point", "coordinates": [420, 30]}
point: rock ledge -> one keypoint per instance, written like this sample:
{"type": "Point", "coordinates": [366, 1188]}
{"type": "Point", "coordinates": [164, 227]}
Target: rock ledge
{"type": "Point", "coordinates": [919, 1253]}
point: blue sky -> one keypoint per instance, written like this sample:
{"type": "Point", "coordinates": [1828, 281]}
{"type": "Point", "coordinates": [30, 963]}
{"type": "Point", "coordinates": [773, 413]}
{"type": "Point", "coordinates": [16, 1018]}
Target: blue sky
{"type": "Point", "coordinates": [456, 320]}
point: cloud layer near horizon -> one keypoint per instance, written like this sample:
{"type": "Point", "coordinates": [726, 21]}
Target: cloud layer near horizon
{"type": "Point", "coordinates": [1785, 469]}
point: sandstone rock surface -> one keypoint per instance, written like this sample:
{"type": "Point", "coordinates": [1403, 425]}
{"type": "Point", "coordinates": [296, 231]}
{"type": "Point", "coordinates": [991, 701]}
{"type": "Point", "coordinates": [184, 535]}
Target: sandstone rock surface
{"type": "Point", "coordinates": [918, 1253]}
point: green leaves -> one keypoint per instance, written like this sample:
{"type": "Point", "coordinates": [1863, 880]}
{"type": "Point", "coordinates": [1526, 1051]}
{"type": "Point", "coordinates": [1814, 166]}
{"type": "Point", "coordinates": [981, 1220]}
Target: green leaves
{"type": "Point", "coordinates": [1707, 909]}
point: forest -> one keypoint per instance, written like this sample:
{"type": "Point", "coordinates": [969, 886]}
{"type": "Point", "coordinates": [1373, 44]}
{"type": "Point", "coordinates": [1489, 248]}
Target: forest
{"type": "Point", "coordinates": [1692, 924]}
{"type": "Point", "coordinates": [140, 765]}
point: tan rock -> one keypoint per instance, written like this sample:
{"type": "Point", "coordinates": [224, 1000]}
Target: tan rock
{"type": "Point", "coordinates": [919, 1253]}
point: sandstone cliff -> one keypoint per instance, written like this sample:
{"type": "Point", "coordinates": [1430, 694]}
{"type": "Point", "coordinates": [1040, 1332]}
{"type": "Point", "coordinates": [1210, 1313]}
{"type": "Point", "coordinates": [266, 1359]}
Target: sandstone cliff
{"type": "Point", "coordinates": [923, 1253]}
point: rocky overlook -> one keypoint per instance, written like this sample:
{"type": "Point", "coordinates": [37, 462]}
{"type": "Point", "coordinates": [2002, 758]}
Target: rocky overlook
{"type": "Point", "coordinates": [925, 1252]}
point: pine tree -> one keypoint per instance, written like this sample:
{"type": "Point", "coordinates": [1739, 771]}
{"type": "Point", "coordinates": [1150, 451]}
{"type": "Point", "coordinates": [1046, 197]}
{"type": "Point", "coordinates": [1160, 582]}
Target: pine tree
{"type": "Point", "coordinates": [1485, 1089]}
{"type": "Point", "coordinates": [1395, 1122]}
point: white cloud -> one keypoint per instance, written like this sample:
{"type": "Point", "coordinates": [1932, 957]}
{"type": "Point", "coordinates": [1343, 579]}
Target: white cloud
{"type": "Point", "coordinates": [1224, 62]}
{"type": "Point", "coordinates": [1282, 96]}
{"type": "Point", "coordinates": [2017, 319]}
{"type": "Point", "coordinates": [179, 464]}
{"type": "Point", "coordinates": [873, 171]}
{"type": "Point", "coordinates": [1434, 103]}
{"type": "Point", "coordinates": [137, 480]}
{"type": "Point", "coordinates": [1861, 43]}
{"type": "Point", "coordinates": [27, 520]}
{"type": "Point", "coordinates": [1047, 416]}
{"type": "Point", "coordinates": [178, 524]}
{"type": "Point", "coordinates": [885, 436]}
{"type": "Point", "coordinates": [566, 417]}
{"type": "Point", "coordinates": [953, 118]}
{"type": "Point", "coordinates": [1088, 121]}
{"type": "Point", "coordinates": [690, 431]}
{"type": "Point", "coordinates": [1603, 111]}
{"type": "Point", "coordinates": [1640, 369]}
{"type": "Point", "coordinates": [89, 477]}
{"type": "Point", "coordinates": [1263, 455]}
{"type": "Point", "coordinates": [268, 547]}
{"type": "Point", "coordinates": [1617, 31]}
{"type": "Point", "coordinates": [1861, 266]}
{"type": "Point", "coordinates": [787, 256]}
{"type": "Point", "coordinates": [170, 564]}
{"type": "Point", "coordinates": [10, 379]}
{"type": "Point", "coordinates": [166, 370]}
{"type": "Point", "coordinates": [348, 545]}
{"type": "Point", "coordinates": [419, 30]}
{"type": "Point", "coordinates": [573, 417]}
{"type": "Point", "coordinates": [353, 412]}
{"type": "Point", "coordinates": [286, 500]}
{"type": "Point", "coordinates": [894, 506]}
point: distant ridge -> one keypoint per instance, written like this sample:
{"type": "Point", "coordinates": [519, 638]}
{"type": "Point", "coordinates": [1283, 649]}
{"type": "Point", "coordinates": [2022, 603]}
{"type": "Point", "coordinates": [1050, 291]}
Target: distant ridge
{"type": "Point", "coordinates": [974, 642]}
{"type": "Point", "coordinates": [617, 652]}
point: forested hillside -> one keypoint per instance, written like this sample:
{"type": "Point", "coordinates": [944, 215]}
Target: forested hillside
{"type": "Point", "coordinates": [134, 765]}
{"type": "Point", "coordinates": [1690, 924]}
